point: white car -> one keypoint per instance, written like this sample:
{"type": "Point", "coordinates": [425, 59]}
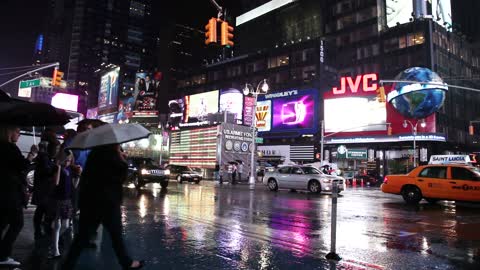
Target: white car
{"type": "Point", "coordinates": [302, 177]}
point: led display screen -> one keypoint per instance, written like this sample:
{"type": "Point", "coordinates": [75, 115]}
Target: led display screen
{"type": "Point", "coordinates": [107, 97]}
{"type": "Point", "coordinates": [231, 100]}
{"type": "Point", "coordinates": [351, 114]}
{"type": "Point", "coordinates": [249, 103]}
{"type": "Point", "coordinates": [200, 105]}
{"type": "Point", "coordinates": [65, 101]}
{"type": "Point", "coordinates": [398, 12]}
{"type": "Point", "coordinates": [294, 112]}
{"type": "Point", "coordinates": [263, 115]}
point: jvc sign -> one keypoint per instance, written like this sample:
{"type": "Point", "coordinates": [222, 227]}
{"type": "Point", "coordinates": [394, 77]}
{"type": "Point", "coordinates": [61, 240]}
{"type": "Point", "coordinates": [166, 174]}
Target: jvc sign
{"type": "Point", "coordinates": [366, 83]}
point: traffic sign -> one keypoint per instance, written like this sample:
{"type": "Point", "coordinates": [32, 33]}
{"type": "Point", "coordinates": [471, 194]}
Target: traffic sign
{"type": "Point", "coordinates": [258, 140]}
{"type": "Point", "coordinates": [29, 83]}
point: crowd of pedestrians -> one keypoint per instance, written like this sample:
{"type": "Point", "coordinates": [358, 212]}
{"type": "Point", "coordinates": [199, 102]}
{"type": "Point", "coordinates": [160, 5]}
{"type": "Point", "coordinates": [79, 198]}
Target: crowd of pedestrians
{"type": "Point", "coordinates": [62, 178]}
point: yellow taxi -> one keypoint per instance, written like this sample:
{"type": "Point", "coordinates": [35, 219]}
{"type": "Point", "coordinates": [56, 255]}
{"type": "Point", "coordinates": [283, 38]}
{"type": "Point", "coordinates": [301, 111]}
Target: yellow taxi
{"type": "Point", "coordinates": [437, 181]}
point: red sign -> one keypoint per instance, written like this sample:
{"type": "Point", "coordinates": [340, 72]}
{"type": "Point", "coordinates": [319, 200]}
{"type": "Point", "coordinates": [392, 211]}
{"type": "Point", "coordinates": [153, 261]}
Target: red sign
{"type": "Point", "coordinates": [367, 81]}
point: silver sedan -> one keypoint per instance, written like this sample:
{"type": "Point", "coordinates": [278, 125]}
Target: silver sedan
{"type": "Point", "coordinates": [302, 177]}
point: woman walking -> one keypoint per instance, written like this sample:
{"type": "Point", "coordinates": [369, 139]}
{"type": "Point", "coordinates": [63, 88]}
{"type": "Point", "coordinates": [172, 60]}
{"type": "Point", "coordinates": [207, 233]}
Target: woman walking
{"type": "Point", "coordinates": [62, 196]}
{"type": "Point", "coordinates": [12, 192]}
{"type": "Point", "coordinates": [100, 201]}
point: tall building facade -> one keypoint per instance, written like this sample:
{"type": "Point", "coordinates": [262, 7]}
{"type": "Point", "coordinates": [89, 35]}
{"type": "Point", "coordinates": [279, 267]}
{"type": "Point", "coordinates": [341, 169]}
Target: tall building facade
{"type": "Point", "coordinates": [335, 47]}
{"type": "Point", "coordinates": [117, 32]}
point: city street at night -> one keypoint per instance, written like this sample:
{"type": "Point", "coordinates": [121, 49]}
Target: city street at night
{"type": "Point", "coordinates": [231, 227]}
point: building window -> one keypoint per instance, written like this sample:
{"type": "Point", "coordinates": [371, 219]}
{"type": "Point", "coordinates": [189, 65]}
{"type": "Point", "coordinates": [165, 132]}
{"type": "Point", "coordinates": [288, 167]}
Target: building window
{"type": "Point", "coordinates": [234, 71]}
{"type": "Point", "coordinates": [256, 66]}
{"type": "Point", "coordinates": [278, 61]}
{"type": "Point", "coordinates": [309, 73]}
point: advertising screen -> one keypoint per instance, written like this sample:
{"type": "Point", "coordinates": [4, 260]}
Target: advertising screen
{"type": "Point", "coordinates": [147, 87]}
{"type": "Point", "coordinates": [65, 101]}
{"type": "Point", "coordinates": [442, 12]}
{"type": "Point", "coordinates": [231, 100]}
{"type": "Point", "coordinates": [263, 115]}
{"type": "Point", "coordinates": [294, 112]}
{"type": "Point", "coordinates": [249, 103]}
{"type": "Point", "coordinates": [398, 12]}
{"type": "Point", "coordinates": [351, 114]}
{"type": "Point", "coordinates": [92, 113]}
{"type": "Point", "coordinates": [200, 105]}
{"type": "Point", "coordinates": [107, 97]}
{"type": "Point", "coordinates": [176, 108]}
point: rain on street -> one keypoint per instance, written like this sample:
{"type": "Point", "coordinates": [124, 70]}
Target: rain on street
{"type": "Point", "coordinates": [231, 227]}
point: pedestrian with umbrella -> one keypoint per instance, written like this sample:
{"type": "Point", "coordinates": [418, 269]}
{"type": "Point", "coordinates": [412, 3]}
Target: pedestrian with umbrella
{"type": "Point", "coordinates": [101, 188]}
{"type": "Point", "coordinates": [13, 190]}
{"type": "Point", "coordinates": [13, 114]}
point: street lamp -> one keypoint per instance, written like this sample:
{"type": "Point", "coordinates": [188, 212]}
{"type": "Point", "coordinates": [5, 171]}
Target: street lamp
{"type": "Point", "coordinates": [414, 132]}
{"type": "Point", "coordinates": [262, 88]}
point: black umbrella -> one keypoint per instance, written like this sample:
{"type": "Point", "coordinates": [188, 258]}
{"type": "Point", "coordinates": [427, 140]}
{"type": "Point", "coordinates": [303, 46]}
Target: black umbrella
{"type": "Point", "coordinates": [233, 162]}
{"type": "Point", "coordinates": [31, 114]}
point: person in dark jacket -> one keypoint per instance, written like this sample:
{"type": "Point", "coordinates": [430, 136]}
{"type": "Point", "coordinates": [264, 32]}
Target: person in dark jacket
{"type": "Point", "coordinates": [12, 192]}
{"type": "Point", "coordinates": [42, 187]}
{"type": "Point", "coordinates": [100, 201]}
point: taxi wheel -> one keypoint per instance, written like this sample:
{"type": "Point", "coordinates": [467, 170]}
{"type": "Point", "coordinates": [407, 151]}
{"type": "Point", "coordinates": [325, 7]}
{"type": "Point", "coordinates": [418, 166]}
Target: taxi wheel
{"type": "Point", "coordinates": [179, 179]}
{"type": "Point", "coordinates": [412, 194]}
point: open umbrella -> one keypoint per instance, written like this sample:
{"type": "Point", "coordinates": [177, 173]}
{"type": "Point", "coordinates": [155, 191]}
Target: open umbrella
{"type": "Point", "coordinates": [109, 134]}
{"type": "Point", "coordinates": [31, 114]}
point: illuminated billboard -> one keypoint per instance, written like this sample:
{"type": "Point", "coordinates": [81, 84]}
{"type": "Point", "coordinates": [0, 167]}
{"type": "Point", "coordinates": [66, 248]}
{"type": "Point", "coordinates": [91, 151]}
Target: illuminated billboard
{"type": "Point", "coordinates": [65, 101]}
{"type": "Point", "coordinates": [294, 112]}
{"type": "Point", "coordinates": [248, 104]}
{"type": "Point", "coordinates": [107, 97]}
{"type": "Point", "coordinates": [351, 114]}
{"type": "Point", "coordinates": [398, 12]}
{"type": "Point", "coordinates": [442, 13]}
{"type": "Point", "coordinates": [263, 115]}
{"type": "Point", "coordinates": [147, 88]}
{"type": "Point", "coordinates": [200, 105]}
{"type": "Point", "coordinates": [231, 100]}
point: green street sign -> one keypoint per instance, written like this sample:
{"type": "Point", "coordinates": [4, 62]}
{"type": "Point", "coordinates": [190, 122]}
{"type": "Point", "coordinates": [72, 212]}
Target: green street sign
{"type": "Point", "coordinates": [357, 154]}
{"type": "Point", "coordinates": [258, 140]}
{"type": "Point", "coordinates": [29, 83]}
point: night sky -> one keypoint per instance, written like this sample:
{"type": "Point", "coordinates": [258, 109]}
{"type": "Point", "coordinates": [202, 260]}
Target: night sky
{"type": "Point", "coordinates": [20, 23]}
{"type": "Point", "coordinates": [22, 20]}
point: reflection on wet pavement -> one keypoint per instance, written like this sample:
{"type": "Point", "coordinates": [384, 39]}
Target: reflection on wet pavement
{"type": "Point", "coordinates": [205, 227]}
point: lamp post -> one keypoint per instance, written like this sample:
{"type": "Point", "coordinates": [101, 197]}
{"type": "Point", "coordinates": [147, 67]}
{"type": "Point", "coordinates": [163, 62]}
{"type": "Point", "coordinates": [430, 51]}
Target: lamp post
{"type": "Point", "coordinates": [262, 88]}
{"type": "Point", "coordinates": [414, 132]}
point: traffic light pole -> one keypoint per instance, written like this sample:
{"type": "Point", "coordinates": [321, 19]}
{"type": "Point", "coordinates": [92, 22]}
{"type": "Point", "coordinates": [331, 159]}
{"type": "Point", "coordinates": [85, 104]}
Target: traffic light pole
{"type": "Point", "coordinates": [30, 72]}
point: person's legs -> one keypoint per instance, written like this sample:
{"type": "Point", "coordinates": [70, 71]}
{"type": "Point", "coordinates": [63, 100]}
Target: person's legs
{"type": "Point", "coordinates": [112, 221]}
{"type": "Point", "coordinates": [38, 216]}
{"type": "Point", "coordinates": [88, 224]}
{"type": "Point", "coordinates": [55, 236]}
{"type": "Point", "coordinates": [14, 219]}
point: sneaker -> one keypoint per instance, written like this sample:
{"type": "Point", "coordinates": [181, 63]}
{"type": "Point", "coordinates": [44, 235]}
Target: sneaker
{"type": "Point", "coordinates": [9, 261]}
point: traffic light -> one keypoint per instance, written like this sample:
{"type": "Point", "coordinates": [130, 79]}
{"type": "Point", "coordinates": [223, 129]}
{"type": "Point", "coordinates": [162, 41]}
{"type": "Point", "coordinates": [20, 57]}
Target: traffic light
{"type": "Point", "coordinates": [381, 94]}
{"type": "Point", "coordinates": [211, 34]}
{"type": "Point", "coordinates": [389, 130]}
{"type": "Point", "coordinates": [227, 35]}
{"type": "Point", "coordinates": [57, 77]}
{"type": "Point", "coordinates": [471, 130]}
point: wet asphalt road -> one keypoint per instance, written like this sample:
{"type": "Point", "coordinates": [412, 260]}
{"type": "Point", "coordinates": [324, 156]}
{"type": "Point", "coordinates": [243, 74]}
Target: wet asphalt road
{"type": "Point", "coordinates": [209, 227]}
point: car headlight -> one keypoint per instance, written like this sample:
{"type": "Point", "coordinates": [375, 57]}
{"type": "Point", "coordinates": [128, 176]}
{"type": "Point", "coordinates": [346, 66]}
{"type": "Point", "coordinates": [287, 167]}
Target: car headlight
{"type": "Point", "coordinates": [167, 172]}
{"type": "Point", "coordinates": [326, 180]}
{"type": "Point", "coordinates": [145, 171]}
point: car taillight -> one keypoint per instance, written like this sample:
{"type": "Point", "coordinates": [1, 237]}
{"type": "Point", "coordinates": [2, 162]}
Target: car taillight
{"type": "Point", "coordinates": [385, 180]}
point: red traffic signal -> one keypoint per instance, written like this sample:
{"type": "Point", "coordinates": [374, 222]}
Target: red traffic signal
{"type": "Point", "coordinates": [227, 35]}
{"type": "Point", "coordinates": [471, 130]}
{"type": "Point", "coordinates": [381, 94]}
{"type": "Point", "coordinates": [211, 31]}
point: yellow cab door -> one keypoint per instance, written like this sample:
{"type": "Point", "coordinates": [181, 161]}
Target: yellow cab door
{"type": "Point", "coordinates": [464, 184]}
{"type": "Point", "coordinates": [432, 181]}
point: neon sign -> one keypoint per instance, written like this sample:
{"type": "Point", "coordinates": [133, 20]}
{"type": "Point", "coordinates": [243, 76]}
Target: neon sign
{"type": "Point", "coordinates": [368, 82]}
